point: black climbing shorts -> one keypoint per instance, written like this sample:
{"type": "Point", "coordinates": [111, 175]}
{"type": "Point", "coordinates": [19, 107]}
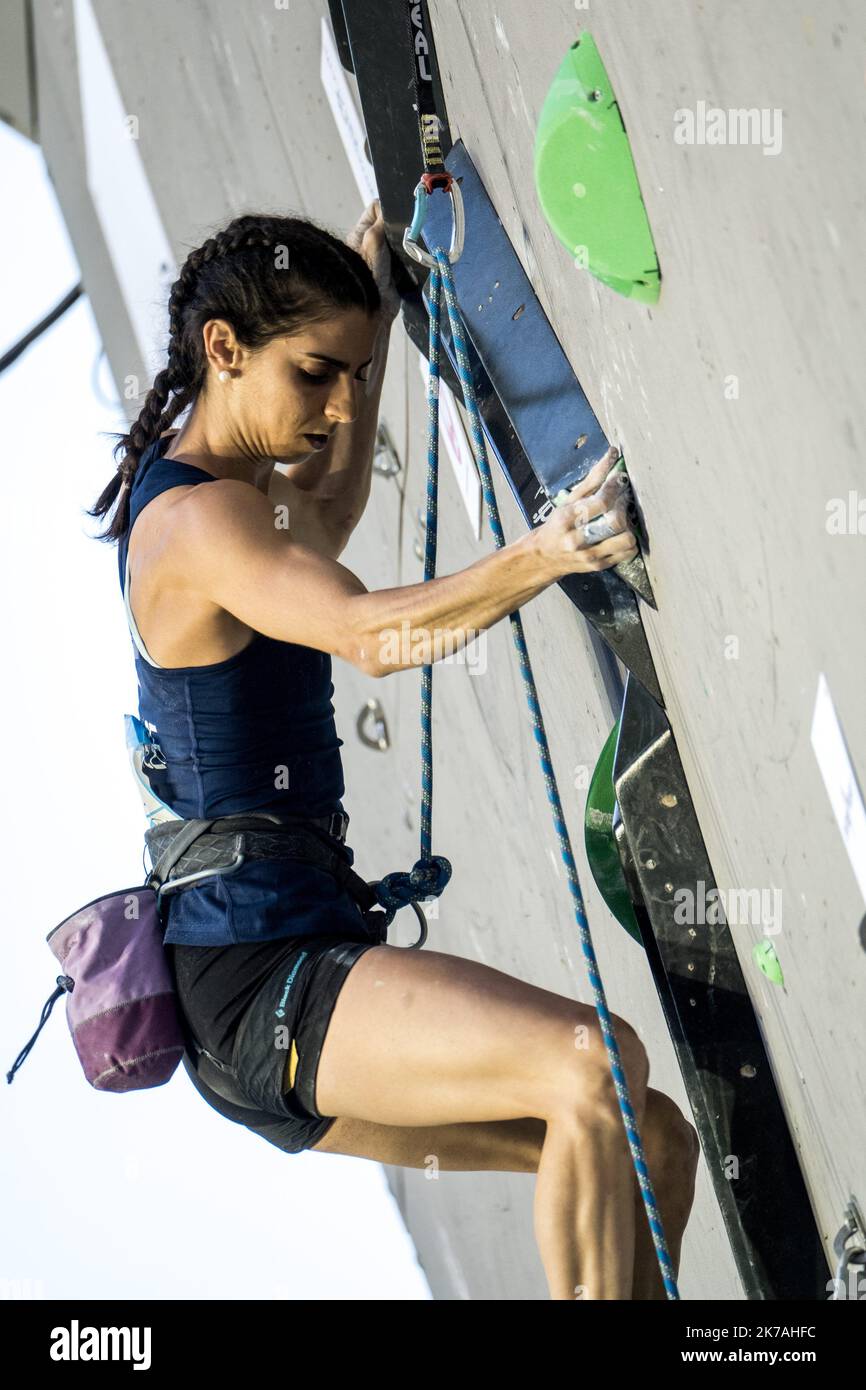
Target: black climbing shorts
{"type": "Point", "coordinates": [263, 1008]}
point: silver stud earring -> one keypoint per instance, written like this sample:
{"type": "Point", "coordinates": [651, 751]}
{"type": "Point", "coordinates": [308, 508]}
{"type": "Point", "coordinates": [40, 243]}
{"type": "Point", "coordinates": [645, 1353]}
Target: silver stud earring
{"type": "Point", "coordinates": [225, 376]}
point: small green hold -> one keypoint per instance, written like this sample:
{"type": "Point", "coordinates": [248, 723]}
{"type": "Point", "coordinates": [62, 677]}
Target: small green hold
{"type": "Point", "coordinates": [766, 959]}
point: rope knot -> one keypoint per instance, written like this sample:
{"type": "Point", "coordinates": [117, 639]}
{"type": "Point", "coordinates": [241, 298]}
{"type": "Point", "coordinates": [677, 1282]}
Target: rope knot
{"type": "Point", "coordinates": [426, 879]}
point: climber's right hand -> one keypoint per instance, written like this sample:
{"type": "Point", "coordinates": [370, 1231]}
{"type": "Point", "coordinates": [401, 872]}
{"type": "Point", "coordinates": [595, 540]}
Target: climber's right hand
{"type": "Point", "coordinates": [563, 539]}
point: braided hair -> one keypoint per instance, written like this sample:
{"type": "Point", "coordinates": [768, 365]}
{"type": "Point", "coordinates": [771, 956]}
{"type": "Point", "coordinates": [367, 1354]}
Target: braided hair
{"type": "Point", "coordinates": [267, 276]}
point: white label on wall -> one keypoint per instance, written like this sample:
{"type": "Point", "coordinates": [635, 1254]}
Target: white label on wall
{"type": "Point", "coordinates": [840, 780]}
{"type": "Point", "coordinates": [345, 113]}
{"type": "Point", "coordinates": [457, 447]}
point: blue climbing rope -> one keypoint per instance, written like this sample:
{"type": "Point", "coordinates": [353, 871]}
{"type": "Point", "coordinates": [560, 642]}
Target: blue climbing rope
{"type": "Point", "coordinates": [431, 872]}
{"type": "Point", "coordinates": [440, 275]}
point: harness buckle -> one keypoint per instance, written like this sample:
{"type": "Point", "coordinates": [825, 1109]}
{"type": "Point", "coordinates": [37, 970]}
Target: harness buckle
{"type": "Point", "coordinates": [170, 885]}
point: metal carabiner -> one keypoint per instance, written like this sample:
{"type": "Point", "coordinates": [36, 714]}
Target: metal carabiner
{"type": "Point", "coordinates": [422, 918]}
{"type": "Point", "coordinates": [850, 1257]}
{"type": "Point", "coordinates": [425, 186]}
{"type": "Point", "coordinates": [390, 913]}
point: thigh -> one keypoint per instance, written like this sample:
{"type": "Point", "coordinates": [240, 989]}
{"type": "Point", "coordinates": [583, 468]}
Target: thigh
{"type": "Point", "coordinates": [424, 1038]}
{"type": "Point", "coordinates": [513, 1146]}
{"type": "Point", "coordinates": [495, 1146]}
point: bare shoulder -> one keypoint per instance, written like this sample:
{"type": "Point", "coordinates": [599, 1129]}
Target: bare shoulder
{"type": "Point", "coordinates": [200, 520]}
{"type": "Point", "coordinates": [223, 560]}
{"type": "Point", "coordinates": [179, 623]}
{"type": "Point", "coordinates": [202, 512]}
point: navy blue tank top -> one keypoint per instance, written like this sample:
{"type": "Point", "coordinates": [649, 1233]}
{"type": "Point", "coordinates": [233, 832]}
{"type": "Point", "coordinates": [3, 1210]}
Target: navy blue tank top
{"type": "Point", "coordinates": [255, 732]}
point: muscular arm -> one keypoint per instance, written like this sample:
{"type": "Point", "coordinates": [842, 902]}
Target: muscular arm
{"type": "Point", "coordinates": [312, 519]}
{"type": "Point", "coordinates": [228, 544]}
{"type": "Point", "coordinates": [230, 548]}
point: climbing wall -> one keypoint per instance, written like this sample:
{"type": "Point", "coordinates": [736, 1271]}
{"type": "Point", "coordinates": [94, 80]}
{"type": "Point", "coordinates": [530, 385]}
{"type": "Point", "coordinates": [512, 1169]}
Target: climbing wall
{"type": "Point", "coordinates": [737, 403]}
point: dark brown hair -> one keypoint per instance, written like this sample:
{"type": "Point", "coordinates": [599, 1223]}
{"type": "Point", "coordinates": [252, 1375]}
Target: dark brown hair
{"type": "Point", "coordinates": [266, 276]}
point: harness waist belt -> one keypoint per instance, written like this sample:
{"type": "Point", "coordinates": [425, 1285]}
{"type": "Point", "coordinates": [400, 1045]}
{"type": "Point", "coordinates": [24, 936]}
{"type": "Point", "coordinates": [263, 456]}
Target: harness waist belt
{"type": "Point", "coordinates": [223, 844]}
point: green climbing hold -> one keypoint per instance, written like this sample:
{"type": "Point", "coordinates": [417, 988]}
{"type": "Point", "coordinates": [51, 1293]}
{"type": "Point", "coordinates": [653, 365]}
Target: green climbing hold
{"type": "Point", "coordinates": [586, 180]}
{"type": "Point", "coordinates": [601, 850]}
{"type": "Point", "coordinates": [764, 955]}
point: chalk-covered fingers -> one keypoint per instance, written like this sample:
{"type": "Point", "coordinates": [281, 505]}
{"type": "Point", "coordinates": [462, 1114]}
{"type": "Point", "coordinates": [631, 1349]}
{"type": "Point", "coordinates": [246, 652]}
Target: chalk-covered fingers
{"type": "Point", "coordinates": [605, 515]}
{"type": "Point", "coordinates": [603, 554]}
{"type": "Point", "coordinates": [590, 528]}
{"type": "Point", "coordinates": [594, 478]}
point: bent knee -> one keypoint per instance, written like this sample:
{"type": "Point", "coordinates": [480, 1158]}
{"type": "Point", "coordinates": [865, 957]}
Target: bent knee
{"type": "Point", "coordinates": [676, 1136]}
{"type": "Point", "coordinates": [633, 1057]}
{"type": "Point", "coordinates": [589, 1088]}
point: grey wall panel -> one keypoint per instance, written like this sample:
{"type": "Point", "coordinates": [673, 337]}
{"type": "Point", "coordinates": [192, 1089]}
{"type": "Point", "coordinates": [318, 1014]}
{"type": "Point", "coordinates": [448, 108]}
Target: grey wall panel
{"type": "Point", "coordinates": [18, 87]}
{"type": "Point", "coordinates": [62, 143]}
{"type": "Point", "coordinates": [233, 116]}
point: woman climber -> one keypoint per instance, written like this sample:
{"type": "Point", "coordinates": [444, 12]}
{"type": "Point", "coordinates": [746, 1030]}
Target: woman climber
{"type": "Point", "coordinates": [237, 602]}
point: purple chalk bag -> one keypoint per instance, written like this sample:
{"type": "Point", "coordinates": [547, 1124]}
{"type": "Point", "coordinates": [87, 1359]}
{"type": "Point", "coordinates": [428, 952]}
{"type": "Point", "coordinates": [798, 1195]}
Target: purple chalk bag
{"type": "Point", "coordinates": [121, 1003]}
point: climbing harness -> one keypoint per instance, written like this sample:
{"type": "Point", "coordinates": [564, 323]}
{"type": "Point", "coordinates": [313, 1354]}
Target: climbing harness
{"type": "Point", "coordinates": [227, 842]}
{"type": "Point", "coordinates": [269, 836]}
{"type": "Point", "coordinates": [441, 280]}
